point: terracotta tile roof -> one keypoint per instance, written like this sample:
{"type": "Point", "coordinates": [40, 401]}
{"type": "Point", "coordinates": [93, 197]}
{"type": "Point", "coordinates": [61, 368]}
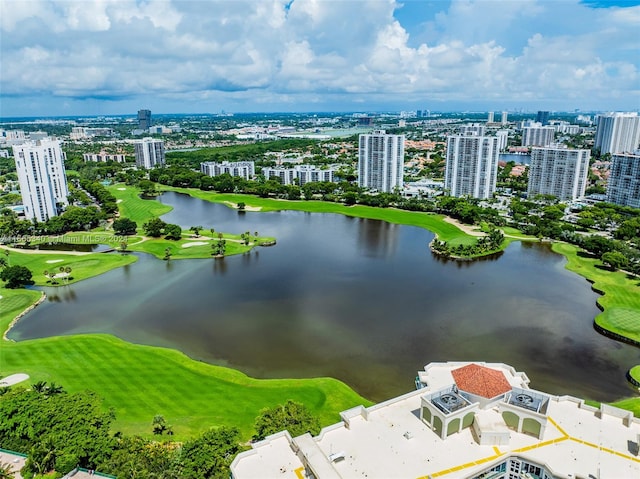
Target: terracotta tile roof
{"type": "Point", "coordinates": [481, 381]}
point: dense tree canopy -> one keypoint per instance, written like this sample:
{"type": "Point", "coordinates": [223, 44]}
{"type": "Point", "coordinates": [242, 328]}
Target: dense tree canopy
{"type": "Point", "coordinates": [154, 227]}
{"type": "Point", "coordinates": [16, 276]}
{"type": "Point", "coordinates": [57, 431]}
{"type": "Point", "coordinates": [292, 416]}
{"type": "Point", "coordinates": [124, 226]}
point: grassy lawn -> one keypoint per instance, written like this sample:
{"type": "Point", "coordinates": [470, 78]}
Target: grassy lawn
{"type": "Point", "coordinates": [13, 302]}
{"type": "Point", "coordinates": [139, 382]}
{"type": "Point", "coordinates": [83, 266]}
{"type": "Point", "coordinates": [135, 208]}
{"type": "Point", "coordinates": [190, 247]}
{"type": "Point", "coordinates": [620, 301]}
{"type": "Point", "coordinates": [621, 295]}
{"type": "Point", "coordinates": [634, 372]}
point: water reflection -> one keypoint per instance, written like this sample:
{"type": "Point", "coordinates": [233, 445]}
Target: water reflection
{"type": "Point", "coordinates": [355, 299]}
{"type": "Point", "coordinates": [378, 237]}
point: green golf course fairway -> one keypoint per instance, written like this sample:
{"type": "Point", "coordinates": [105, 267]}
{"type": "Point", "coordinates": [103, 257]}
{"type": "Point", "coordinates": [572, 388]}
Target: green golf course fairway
{"type": "Point", "coordinates": [620, 300]}
{"type": "Point", "coordinates": [139, 382]}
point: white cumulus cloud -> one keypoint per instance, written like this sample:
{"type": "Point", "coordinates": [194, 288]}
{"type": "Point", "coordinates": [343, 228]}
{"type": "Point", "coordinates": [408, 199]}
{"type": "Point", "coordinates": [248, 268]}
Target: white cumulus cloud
{"type": "Point", "coordinates": [332, 54]}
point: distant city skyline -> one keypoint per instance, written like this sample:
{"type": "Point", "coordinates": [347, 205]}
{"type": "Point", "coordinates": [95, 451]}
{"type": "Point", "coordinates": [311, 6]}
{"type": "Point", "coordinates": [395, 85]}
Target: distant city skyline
{"type": "Point", "coordinates": [68, 57]}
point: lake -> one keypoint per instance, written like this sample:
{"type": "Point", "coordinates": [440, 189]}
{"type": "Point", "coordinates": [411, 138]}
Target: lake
{"type": "Point", "coordinates": [360, 300]}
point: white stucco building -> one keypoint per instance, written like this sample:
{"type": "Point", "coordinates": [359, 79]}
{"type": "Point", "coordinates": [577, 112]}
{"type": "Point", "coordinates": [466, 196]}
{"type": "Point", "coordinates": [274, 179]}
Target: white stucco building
{"type": "Point", "coordinates": [149, 153]}
{"type": "Point", "coordinates": [243, 169]}
{"type": "Point", "coordinates": [538, 135]}
{"type": "Point", "coordinates": [381, 161]}
{"type": "Point", "coordinates": [467, 421]}
{"type": "Point", "coordinates": [561, 172]}
{"type": "Point", "coordinates": [472, 166]}
{"type": "Point", "coordinates": [103, 157]}
{"type": "Point", "coordinates": [623, 187]}
{"type": "Point", "coordinates": [42, 178]}
{"type": "Point", "coordinates": [300, 174]}
{"type": "Point", "coordinates": [618, 132]}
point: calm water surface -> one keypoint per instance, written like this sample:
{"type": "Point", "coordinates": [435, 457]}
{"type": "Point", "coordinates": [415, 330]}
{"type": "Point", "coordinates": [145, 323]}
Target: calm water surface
{"type": "Point", "coordinates": [360, 300]}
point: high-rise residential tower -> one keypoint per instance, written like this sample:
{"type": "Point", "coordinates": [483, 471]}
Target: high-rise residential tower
{"type": "Point", "coordinates": [537, 135]}
{"type": "Point", "coordinates": [472, 166]}
{"type": "Point", "coordinates": [490, 117]}
{"type": "Point", "coordinates": [472, 129]}
{"type": "Point", "coordinates": [380, 161]}
{"type": "Point", "coordinates": [503, 118]}
{"type": "Point", "coordinates": [144, 119]}
{"type": "Point", "coordinates": [503, 139]}
{"type": "Point", "coordinates": [42, 178]}
{"type": "Point", "coordinates": [561, 172]}
{"type": "Point", "coordinates": [618, 132]}
{"type": "Point", "coordinates": [623, 187]}
{"type": "Point", "coordinates": [149, 153]}
{"type": "Point", "coordinates": [543, 117]}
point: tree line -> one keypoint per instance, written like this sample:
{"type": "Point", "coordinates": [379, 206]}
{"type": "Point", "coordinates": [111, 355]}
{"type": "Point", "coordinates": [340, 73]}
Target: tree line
{"type": "Point", "coordinates": [60, 431]}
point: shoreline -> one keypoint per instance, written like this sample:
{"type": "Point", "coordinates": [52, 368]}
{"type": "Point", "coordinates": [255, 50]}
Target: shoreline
{"type": "Point", "coordinates": [15, 320]}
{"type": "Point", "coordinates": [43, 296]}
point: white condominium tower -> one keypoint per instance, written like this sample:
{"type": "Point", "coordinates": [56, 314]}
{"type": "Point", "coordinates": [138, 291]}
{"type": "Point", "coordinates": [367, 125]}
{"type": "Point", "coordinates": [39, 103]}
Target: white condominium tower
{"type": "Point", "coordinates": [618, 132]}
{"type": "Point", "coordinates": [537, 135]}
{"type": "Point", "coordinates": [149, 153]}
{"type": "Point", "coordinates": [624, 181]}
{"type": "Point", "coordinates": [42, 178]}
{"type": "Point", "coordinates": [472, 129]}
{"type": "Point", "coordinates": [381, 161]}
{"type": "Point", "coordinates": [472, 166]}
{"type": "Point", "coordinates": [561, 172]}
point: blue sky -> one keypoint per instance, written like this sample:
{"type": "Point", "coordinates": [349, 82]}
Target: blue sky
{"type": "Point", "coordinates": [102, 57]}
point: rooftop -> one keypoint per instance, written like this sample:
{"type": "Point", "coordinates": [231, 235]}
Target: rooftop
{"type": "Point", "coordinates": [390, 440]}
{"type": "Point", "coordinates": [481, 381]}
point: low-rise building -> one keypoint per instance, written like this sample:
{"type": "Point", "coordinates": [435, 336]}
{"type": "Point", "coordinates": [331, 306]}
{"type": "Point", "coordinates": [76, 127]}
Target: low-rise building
{"type": "Point", "coordinates": [103, 157]}
{"type": "Point", "coordinates": [244, 169]}
{"type": "Point", "coordinates": [300, 174]}
{"type": "Point", "coordinates": [466, 420]}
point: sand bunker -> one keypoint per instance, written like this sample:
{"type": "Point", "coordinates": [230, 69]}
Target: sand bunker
{"type": "Point", "coordinates": [55, 261]}
{"type": "Point", "coordinates": [194, 243]}
{"type": "Point", "coordinates": [13, 379]}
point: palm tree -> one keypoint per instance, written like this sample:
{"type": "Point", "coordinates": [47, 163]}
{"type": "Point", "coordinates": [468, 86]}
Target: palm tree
{"type": "Point", "coordinates": [167, 254]}
{"type": "Point", "coordinates": [6, 471]}
{"type": "Point", "coordinates": [39, 387]}
{"type": "Point", "coordinates": [54, 389]}
{"type": "Point", "coordinates": [123, 245]}
{"type": "Point", "coordinates": [3, 263]}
